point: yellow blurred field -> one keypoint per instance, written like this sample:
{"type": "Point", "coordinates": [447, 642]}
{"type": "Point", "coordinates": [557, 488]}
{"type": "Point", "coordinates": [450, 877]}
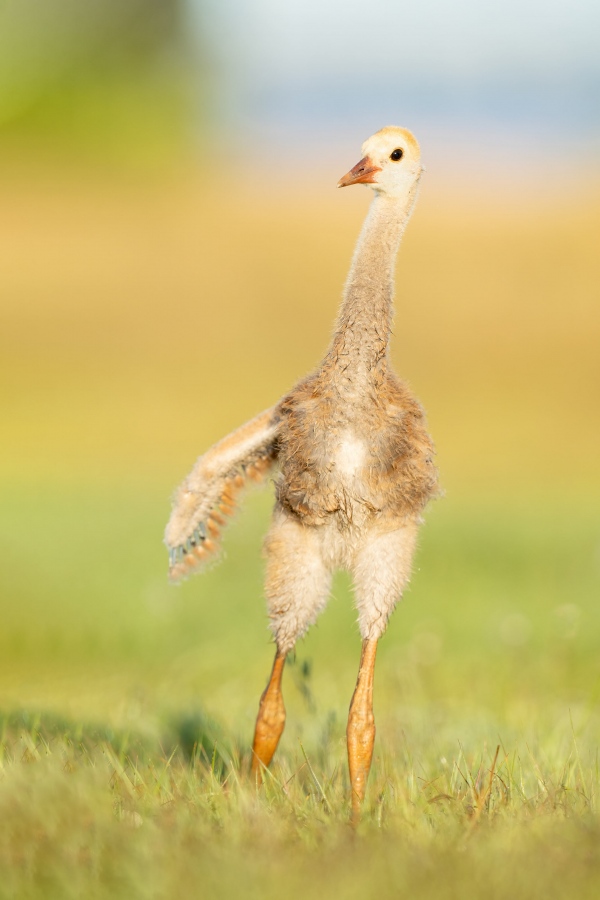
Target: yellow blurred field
{"type": "Point", "coordinates": [141, 318]}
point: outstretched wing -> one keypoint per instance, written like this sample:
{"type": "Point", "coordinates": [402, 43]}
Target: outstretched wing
{"type": "Point", "coordinates": [208, 493]}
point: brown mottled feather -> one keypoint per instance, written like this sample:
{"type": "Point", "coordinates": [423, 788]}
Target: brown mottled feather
{"type": "Point", "coordinates": [398, 477]}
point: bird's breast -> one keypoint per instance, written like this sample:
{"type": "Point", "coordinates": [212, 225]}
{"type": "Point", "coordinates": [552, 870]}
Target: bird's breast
{"type": "Point", "coordinates": [350, 455]}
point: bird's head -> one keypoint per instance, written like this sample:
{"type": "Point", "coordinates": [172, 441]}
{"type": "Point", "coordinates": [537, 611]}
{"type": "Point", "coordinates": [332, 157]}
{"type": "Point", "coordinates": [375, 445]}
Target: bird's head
{"type": "Point", "coordinates": [391, 163]}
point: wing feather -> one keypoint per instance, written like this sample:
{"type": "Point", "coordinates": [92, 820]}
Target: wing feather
{"type": "Point", "coordinates": [208, 494]}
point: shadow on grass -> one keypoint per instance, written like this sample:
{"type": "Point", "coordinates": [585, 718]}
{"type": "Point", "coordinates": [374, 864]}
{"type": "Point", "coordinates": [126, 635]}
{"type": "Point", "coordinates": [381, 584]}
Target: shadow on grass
{"type": "Point", "coordinates": [196, 738]}
{"type": "Point", "coordinates": [203, 740]}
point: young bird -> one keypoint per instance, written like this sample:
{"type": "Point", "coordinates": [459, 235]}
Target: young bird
{"type": "Point", "coordinates": [355, 467]}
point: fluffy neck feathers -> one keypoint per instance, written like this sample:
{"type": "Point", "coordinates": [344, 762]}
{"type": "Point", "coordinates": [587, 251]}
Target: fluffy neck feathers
{"type": "Point", "coordinates": [361, 339]}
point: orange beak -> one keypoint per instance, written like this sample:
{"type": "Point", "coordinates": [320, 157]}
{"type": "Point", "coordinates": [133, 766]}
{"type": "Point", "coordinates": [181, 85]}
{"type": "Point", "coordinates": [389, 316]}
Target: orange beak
{"type": "Point", "coordinates": [362, 173]}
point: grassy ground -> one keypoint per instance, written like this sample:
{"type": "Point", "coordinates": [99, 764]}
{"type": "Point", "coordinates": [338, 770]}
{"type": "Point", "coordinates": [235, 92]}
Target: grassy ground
{"type": "Point", "coordinates": [129, 707]}
{"type": "Point", "coordinates": [132, 336]}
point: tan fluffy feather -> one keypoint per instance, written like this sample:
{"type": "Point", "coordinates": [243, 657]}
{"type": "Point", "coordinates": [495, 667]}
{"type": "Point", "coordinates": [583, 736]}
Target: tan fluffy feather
{"type": "Point", "coordinates": [355, 458]}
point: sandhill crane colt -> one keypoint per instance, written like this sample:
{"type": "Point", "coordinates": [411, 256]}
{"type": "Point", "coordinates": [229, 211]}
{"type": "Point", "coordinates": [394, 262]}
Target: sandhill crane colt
{"type": "Point", "coordinates": [355, 467]}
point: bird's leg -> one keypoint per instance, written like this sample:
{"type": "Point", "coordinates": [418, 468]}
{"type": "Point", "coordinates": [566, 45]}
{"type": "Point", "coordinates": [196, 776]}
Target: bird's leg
{"type": "Point", "coordinates": [270, 720]}
{"type": "Point", "coordinates": [361, 728]}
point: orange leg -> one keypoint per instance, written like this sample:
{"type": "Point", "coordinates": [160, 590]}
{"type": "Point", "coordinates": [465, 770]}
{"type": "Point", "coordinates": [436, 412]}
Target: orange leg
{"type": "Point", "coordinates": [361, 728]}
{"type": "Point", "coordinates": [270, 720]}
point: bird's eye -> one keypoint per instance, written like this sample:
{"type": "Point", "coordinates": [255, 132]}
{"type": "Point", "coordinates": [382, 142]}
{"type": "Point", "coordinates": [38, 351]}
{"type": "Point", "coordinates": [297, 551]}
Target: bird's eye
{"type": "Point", "coordinates": [397, 154]}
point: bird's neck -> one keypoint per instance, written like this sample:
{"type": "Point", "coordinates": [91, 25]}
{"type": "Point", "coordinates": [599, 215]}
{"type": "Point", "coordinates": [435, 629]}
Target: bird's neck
{"type": "Point", "coordinates": [359, 349]}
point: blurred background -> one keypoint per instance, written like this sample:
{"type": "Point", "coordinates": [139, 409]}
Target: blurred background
{"type": "Point", "coordinates": [173, 252]}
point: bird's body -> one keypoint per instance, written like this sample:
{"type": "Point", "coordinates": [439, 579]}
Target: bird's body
{"type": "Point", "coordinates": [354, 457]}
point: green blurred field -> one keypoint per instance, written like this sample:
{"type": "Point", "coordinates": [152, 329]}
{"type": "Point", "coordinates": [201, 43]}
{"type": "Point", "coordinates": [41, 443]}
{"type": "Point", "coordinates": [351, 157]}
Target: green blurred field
{"type": "Point", "coordinates": [142, 319]}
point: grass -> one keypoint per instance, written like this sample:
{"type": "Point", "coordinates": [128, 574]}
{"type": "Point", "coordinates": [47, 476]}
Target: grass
{"type": "Point", "coordinates": [130, 340]}
{"type": "Point", "coordinates": [129, 707]}
{"type": "Point", "coordinates": [100, 818]}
